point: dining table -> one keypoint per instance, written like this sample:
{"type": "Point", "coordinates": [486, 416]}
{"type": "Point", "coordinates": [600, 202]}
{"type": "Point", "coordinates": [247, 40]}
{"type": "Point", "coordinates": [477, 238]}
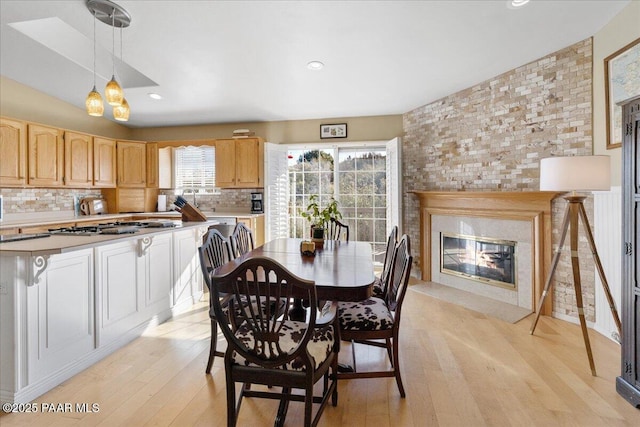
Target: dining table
{"type": "Point", "coordinates": [341, 270]}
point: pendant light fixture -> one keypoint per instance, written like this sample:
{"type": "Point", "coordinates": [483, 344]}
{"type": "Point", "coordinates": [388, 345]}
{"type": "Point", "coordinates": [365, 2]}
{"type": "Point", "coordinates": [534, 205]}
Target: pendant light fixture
{"type": "Point", "coordinates": [113, 91]}
{"type": "Point", "coordinates": [94, 104]}
{"type": "Point", "coordinates": [121, 112]}
{"type": "Point", "coordinates": [114, 15]}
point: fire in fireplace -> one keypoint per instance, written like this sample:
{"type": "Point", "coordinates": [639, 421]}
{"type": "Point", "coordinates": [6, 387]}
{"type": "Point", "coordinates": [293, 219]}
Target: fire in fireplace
{"type": "Point", "coordinates": [483, 259]}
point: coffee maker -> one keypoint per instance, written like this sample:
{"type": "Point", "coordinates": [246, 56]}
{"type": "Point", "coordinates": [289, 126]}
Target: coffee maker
{"type": "Point", "coordinates": [256, 203]}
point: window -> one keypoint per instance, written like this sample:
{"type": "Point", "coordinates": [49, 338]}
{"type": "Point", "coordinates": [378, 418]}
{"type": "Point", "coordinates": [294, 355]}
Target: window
{"type": "Point", "coordinates": [195, 167]}
{"type": "Point", "coordinates": [362, 193]}
{"type": "Point", "coordinates": [356, 177]}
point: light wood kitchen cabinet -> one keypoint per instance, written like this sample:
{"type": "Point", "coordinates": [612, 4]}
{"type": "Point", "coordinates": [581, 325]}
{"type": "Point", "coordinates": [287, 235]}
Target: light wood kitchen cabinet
{"type": "Point", "coordinates": [46, 161]}
{"type": "Point", "coordinates": [152, 164]}
{"type": "Point", "coordinates": [5, 231]}
{"type": "Point", "coordinates": [132, 164]}
{"type": "Point", "coordinates": [239, 163]}
{"type": "Point", "coordinates": [78, 159]}
{"type": "Point", "coordinates": [124, 200]}
{"type": "Point", "coordinates": [256, 225]}
{"type": "Point", "coordinates": [13, 153]}
{"type": "Point", "coordinates": [104, 162]}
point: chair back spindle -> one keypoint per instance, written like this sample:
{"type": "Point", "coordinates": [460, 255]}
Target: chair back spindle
{"type": "Point", "coordinates": [241, 239]}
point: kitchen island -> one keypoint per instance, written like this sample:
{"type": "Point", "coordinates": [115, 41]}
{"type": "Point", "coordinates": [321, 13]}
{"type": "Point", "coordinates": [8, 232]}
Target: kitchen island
{"type": "Point", "coordinates": [67, 301]}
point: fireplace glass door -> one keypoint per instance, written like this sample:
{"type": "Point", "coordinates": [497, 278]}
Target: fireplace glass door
{"type": "Point", "coordinates": [486, 260]}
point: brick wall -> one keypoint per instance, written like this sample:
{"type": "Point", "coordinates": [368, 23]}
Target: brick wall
{"type": "Point", "coordinates": [491, 137]}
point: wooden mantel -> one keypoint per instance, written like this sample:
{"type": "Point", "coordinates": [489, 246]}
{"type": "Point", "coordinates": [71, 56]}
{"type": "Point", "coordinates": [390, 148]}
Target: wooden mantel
{"type": "Point", "coordinates": [531, 206]}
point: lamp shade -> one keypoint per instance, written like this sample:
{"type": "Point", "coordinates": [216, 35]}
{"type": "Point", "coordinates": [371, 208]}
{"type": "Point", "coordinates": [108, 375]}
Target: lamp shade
{"type": "Point", "coordinates": [575, 173]}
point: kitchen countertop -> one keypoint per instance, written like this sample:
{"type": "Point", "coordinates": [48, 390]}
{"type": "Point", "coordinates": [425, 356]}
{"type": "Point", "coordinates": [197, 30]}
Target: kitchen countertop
{"type": "Point", "coordinates": [50, 218]}
{"type": "Point", "coordinates": [56, 243]}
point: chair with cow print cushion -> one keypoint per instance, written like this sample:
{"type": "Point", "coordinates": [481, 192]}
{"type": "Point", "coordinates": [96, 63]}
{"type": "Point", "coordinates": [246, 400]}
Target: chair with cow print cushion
{"type": "Point", "coordinates": [214, 252]}
{"type": "Point", "coordinates": [267, 347]}
{"type": "Point", "coordinates": [376, 321]}
{"type": "Point", "coordinates": [241, 239]}
{"type": "Point", "coordinates": [338, 231]}
{"type": "Point", "coordinates": [380, 283]}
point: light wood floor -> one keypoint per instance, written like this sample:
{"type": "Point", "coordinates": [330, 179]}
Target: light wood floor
{"type": "Point", "coordinates": [460, 368]}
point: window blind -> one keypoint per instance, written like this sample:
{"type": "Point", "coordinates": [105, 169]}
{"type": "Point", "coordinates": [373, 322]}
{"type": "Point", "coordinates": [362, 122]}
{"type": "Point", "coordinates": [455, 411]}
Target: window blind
{"type": "Point", "coordinates": [195, 167]}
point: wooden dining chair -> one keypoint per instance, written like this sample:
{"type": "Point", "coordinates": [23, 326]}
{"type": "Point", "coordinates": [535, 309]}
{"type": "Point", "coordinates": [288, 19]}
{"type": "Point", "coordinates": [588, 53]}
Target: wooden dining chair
{"type": "Point", "coordinates": [241, 239]}
{"type": "Point", "coordinates": [214, 252]}
{"type": "Point", "coordinates": [375, 319]}
{"type": "Point", "coordinates": [380, 283]}
{"type": "Point", "coordinates": [338, 230]}
{"type": "Point", "coordinates": [270, 349]}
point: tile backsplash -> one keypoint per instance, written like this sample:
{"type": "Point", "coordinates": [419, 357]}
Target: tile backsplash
{"type": "Point", "coordinates": [42, 200]}
{"type": "Point", "coordinates": [233, 199]}
{"type": "Point", "coordinates": [31, 200]}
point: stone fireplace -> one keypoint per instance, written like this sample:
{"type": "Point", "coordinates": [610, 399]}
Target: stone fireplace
{"type": "Point", "coordinates": [506, 230]}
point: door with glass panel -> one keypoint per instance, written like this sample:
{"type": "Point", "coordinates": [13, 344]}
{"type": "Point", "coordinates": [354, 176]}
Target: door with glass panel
{"type": "Point", "coordinates": [362, 178]}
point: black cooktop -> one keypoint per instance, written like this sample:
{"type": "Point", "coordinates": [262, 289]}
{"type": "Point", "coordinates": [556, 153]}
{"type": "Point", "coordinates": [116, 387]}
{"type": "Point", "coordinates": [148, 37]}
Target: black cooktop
{"type": "Point", "coordinates": [17, 237]}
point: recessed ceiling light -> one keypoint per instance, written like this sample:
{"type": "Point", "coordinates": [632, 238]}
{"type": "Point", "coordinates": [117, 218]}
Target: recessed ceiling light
{"type": "Point", "coordinates": [155, 96]}
{"type": "Point", "coordinates": [315, 65]}
{"type": "Point", "coordinates": [516, 4]}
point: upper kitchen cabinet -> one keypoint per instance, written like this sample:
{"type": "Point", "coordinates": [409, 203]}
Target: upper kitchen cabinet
{"type": "Point", "coordinates": [13, 153]}
{"type": "Point", "coordinates": [132, 164]}
{"type": "Point", "coordinates": [46, 161]}
{"type": "Point", "coordinates": [152, 165]}
{"type": "Point", "coordinates": [239, 163]}
{"type": "Point", "coordinates": [104, 162]}
{"type": "Point", "coordinates": [78, 159]}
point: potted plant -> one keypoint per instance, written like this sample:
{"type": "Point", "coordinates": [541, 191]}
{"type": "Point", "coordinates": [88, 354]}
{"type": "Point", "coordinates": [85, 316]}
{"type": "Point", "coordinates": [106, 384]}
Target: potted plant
{"type": "Point", "coordinates": [319, 218]}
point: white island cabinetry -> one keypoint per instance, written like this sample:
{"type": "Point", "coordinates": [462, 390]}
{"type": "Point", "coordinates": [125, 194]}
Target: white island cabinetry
{"type": "Point", "coordinates": [188, 280]}
{"type": "Point", "coordinates": [47, 319]}
{"type": "Point", "coordinates": [64, 308]}
{"type": "Point", "coordinates": [133, 282]}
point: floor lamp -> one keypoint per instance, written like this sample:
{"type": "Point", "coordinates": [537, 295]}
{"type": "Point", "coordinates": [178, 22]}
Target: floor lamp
{"type": "Point", "coordinates": [577, 174]}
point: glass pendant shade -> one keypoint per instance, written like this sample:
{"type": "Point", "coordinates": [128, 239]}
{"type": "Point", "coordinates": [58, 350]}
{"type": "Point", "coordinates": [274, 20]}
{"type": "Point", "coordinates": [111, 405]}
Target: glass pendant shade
{"type": "Point", "coordinates": [113, 92]}
{"type": "Point", "coordinates": [121, 113]}
{"type": "Point", "coordinates": [95, 106]}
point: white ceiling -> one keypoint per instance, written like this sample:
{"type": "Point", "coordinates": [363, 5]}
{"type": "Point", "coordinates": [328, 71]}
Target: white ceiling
{"type": "Point", "coordinates": [245, 61]}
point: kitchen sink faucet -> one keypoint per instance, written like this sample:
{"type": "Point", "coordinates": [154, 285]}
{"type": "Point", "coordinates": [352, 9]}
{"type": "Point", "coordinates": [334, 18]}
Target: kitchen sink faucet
{"type": "Point", "coordinates": [194, 191]}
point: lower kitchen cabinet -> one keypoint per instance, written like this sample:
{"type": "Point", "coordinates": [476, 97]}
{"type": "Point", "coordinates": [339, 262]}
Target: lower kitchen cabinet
{"type": "Point", "coordinates": [133, 282]}
{"type": "Point", "coordinates": [157, 255]}
{"type": "Point", "coordinates": [119, 290]}
{"type": "Point", "coordinates": [61, 313]}
{"type": "Point", "coordinates": [47, 319]}
{"type": "Point", "coordinates": [188, 281]}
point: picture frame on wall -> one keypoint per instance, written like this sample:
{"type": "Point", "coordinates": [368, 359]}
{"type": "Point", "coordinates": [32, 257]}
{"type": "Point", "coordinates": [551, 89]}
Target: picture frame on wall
{"type": "Point", "coordinates": [622, 82]}
{"type": "Point", "coordinates": [333, 131]}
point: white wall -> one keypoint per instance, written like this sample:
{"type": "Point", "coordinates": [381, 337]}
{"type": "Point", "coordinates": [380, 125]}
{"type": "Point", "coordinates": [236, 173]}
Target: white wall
{"type": "Point", "coordinates": [619, 32]}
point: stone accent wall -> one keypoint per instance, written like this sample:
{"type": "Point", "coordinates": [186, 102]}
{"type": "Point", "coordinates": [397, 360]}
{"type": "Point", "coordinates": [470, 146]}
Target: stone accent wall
{"type": "Point", "coordinates": [491, 137]}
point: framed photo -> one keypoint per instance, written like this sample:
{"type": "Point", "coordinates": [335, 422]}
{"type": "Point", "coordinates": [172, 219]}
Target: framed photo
{"type": "Point", "coordinates": [333, 131]}
{"type": "Point", "coordinates": [622, 81]}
